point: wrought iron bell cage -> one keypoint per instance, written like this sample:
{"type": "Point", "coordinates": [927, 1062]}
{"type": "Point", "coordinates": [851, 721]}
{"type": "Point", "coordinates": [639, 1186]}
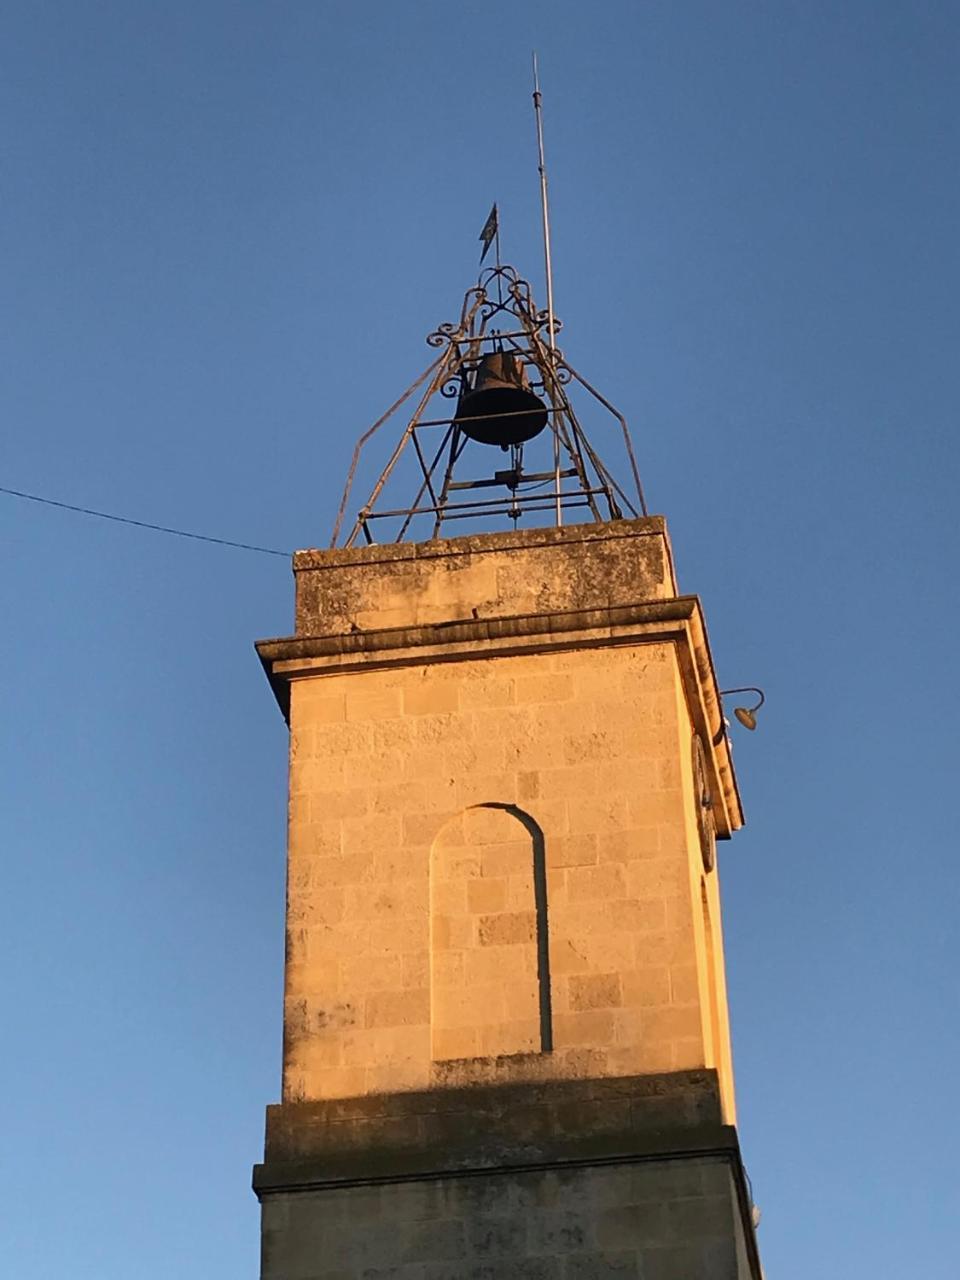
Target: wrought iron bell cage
{"type": "Point", "coordinates": [510, 389]}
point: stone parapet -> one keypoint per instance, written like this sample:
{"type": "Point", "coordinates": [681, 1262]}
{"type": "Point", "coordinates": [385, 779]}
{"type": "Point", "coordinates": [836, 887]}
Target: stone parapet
{"type": "Point", "coordinates": [585, 566]}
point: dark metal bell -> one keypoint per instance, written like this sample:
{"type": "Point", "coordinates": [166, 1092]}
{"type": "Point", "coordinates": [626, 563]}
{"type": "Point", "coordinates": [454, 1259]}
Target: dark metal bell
{"type": "Point", "coordinates": [501, 409]}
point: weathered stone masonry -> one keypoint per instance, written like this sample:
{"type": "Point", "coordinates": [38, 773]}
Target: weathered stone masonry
{"type": "Point", "coordinates": [504, 1006]}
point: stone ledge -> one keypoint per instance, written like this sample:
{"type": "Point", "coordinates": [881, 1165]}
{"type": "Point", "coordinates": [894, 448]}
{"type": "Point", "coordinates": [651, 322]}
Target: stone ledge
{"type": "Point", "coordinates": [440, 1131]}
{"type": "Point", "coordinates": [471, 632]}
{"type": "Point", "coordinates": [402, 1165]}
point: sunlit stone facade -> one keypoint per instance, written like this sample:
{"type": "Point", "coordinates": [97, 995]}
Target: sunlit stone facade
{"type": "Point", "coordinates": [506, 1046]}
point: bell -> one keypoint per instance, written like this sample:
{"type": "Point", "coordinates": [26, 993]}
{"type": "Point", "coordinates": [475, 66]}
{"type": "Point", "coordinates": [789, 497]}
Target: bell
{"type": "Point", "coordinates": [501, 409]}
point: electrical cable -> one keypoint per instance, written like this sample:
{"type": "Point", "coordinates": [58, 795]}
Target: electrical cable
{"type": "Point", "coordinates": [143, 524]}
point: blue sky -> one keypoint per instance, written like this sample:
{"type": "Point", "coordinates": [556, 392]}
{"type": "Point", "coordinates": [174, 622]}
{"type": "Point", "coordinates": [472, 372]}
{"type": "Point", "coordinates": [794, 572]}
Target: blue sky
{"type": "Point", "coordinates": [226, 229]}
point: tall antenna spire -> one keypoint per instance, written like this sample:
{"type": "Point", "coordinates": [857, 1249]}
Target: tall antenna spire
{"type": "Point", "coordinates": [545, 207]}
{"type": "Point", "coordinates": [548, 269]}
{"type": "Point", "coordinates": [501, 364]}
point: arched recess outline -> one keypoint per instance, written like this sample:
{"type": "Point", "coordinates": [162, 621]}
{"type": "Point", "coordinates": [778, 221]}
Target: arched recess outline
{"type": "Point", "coordinates": [542, 926]}
{"type": "Point", "coordinates": [490, 958]}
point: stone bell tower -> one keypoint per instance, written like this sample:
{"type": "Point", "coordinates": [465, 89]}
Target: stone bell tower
{"type": "Point", "coordinates": [506, 1045]}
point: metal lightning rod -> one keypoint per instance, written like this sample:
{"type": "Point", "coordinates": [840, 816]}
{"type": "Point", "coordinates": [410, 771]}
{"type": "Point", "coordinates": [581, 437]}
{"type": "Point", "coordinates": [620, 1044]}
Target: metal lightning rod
{"type": "Point", "coordinates": [548, 265]}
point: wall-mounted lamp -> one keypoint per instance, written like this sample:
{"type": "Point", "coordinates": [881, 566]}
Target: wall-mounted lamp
{"type": "Point", "coordinates": [746, 715]}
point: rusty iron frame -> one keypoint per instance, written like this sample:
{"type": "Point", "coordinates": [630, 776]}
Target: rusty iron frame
{"type": "Point", "coordinates": [461, 346]}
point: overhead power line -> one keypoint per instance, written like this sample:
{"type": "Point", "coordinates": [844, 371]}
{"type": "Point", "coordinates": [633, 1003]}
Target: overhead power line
{"type": "Point", "coordinates": [144, 524]}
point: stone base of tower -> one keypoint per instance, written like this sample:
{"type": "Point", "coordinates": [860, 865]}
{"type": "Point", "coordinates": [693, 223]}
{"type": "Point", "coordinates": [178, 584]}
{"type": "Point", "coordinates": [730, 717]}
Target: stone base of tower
{"type": "Point", "coordinates": [565, 1180]}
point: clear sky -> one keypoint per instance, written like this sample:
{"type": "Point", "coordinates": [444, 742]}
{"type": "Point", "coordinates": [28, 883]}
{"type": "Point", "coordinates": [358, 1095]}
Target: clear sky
{"type": "Point", "coordinates": [226, 228]}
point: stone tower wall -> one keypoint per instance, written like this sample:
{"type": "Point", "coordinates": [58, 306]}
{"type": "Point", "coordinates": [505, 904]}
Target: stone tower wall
{"type": "Point", "coordinates": [505, 1032]}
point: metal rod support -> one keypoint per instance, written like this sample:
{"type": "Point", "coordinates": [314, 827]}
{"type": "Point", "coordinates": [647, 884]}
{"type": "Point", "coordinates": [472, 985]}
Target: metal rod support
{"type": "Point", "coordinates": [495, 505]}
